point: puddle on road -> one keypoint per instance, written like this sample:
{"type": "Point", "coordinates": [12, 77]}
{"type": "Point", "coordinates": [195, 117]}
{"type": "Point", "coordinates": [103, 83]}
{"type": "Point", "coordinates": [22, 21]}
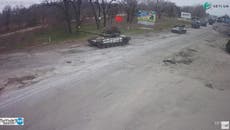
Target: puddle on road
{"type": "Point", "coordinates": [182, 57]}
{"type": "Point", "coordinates": [20, 81]}
{"type": "Point", "coordinates": [72, 51]}
{"type": "Point", "coordinates": [211, 86]}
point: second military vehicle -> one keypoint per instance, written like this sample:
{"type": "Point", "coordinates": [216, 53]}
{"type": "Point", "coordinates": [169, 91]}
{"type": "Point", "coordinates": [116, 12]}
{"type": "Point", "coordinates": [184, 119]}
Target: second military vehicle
{"type": "Point", "coordinates": [211, 21]}
{"type": "Point", "coordinates": [195, 24]}
{"type": "Point", "coordinates": [203, 23]}
{"type": "Point", "coordinates": [180, 29]}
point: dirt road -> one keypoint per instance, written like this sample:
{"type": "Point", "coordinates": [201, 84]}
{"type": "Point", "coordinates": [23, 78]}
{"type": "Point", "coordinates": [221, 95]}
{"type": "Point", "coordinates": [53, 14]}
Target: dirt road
{"type": "Point", "coordinates": [158, 82]}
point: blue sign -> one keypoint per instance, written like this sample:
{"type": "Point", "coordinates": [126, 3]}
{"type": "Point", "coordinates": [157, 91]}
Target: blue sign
{"type": "Point", "coordinates": [20, 121]}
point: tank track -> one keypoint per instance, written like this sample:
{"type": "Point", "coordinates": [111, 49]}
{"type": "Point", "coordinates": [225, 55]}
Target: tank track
{"type": "Point", "coordinates": [108, 45]}
{"type": "Point", "coordinates": [179, 32]}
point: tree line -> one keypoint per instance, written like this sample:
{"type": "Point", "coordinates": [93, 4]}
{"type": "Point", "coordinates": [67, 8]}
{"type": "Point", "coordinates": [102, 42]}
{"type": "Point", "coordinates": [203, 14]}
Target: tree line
{"type": "Point", "coordinates": [69, 13]}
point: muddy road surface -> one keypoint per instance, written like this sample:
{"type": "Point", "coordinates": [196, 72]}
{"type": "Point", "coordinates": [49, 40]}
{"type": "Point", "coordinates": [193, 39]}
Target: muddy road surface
{"type": "Point", "coordinates": [160, 81]}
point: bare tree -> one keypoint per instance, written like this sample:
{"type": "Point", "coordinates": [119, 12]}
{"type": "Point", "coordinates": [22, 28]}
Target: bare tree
{"type": "Point", "coordinates": [161, 7]}
{"type": "Point", "coordinates": [105, 9]}
{"type": "Point", "coordinates": [64, 5]}
{"type": "Point", "coordinates": [130, 8]}
{"type": "Point", "coordinates": [199, 11]}
{"type": "Point", "coordinates": [7, 17]}
{"type": "Point", "coordinates": [113, 10]}
{"type": "Point", "coordinates": [170, 9]}
{"type": "Point", "coordinates": [94, 5]}
{"type": "Point", "coordinates": [101, 6]}
{"type": "Point", "coordinates": [77, 10]}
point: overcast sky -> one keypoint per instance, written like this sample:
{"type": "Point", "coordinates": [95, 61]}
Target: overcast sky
{"type": "Point", "coordinates": [25, 3]}
{"type": "Point", "coordinates": [214, 11]}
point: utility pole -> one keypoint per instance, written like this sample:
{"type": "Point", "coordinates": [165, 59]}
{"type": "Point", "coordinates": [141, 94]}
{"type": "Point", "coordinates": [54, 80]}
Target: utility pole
{"type": "Point", "coordinates": [157, 10]}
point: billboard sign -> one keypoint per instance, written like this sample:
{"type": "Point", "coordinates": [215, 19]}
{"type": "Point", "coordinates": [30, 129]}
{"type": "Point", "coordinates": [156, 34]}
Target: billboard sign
{"type": "Point", "coordinates": [146, 17]}
{"type": "Point", "coordinates": [186, 15]}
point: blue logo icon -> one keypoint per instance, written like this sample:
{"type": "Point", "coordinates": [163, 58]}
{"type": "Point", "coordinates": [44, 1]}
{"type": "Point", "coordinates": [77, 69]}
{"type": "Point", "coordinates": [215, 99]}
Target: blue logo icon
{"type": "Point", "coordinates": [20, 121]}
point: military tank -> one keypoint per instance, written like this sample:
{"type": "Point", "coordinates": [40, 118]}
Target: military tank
{"type": "Point", "coordinates": [211, 21]}
{"type": "Point", "coordinates": [180, 29]}
{"type": "Point", "coordinates": [203, 23]}
{"type": "Point", "coordinates": [109, 38]}
{"type": "Point", "coordinates": [195, 24]}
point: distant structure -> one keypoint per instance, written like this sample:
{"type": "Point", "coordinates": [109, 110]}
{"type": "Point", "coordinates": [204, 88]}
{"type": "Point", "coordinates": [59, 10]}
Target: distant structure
{"type": "Point", "coordinates": [186, 16]}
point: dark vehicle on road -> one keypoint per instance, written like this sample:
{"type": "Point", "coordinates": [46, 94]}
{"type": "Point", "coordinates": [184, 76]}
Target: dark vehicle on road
{"type": "Point", "coordinates": [180, 29]}
{"type": "Point", "coordinates": [195, 24]}
{"type": "Point", "coordinates": [227, 20]}
{"type": "Point", "coordinates": [219, 20]}
{"type": "Point", "coordinates": [211, 21]}
{"type": "Point", "coordinates": [203, 23]}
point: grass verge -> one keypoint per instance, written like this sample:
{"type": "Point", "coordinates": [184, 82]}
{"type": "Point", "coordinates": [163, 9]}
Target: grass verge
{"type": "Point", "coordinates": [58, 34]}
